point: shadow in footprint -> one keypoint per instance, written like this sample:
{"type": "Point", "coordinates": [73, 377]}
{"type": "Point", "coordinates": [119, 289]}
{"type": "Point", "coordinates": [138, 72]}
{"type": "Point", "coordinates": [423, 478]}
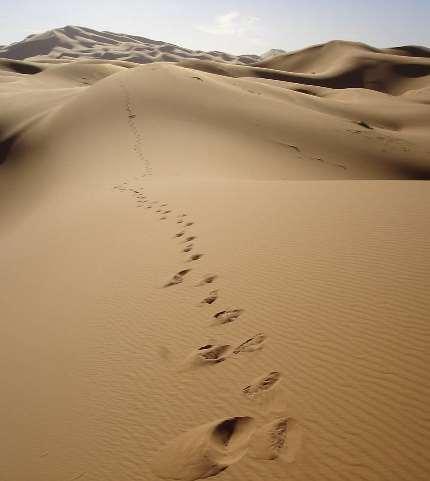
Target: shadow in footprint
{"type": "Point", "coordinates": [252, 344]}
{"type": "Point", "coordinates": [206, 450]}
{"type": "Point", "coordinates": [207, 280]}
{"type": "Point", "coordinates": [209, 354]}
{"type": "Point", "coordinates": [177, 278]}
{"type": "Point", "coordinates": [195, 257]}
{"type": "Point", "coordinates": [211, 298]}
{"type": "Point", "coordinates": [224, 317]}
{"type": "Point", "coordinates": [364, 124]}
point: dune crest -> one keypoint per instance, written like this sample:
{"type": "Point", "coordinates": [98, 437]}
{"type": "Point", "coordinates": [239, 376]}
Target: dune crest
{"type": "Point", "coordinates": [71, 42]}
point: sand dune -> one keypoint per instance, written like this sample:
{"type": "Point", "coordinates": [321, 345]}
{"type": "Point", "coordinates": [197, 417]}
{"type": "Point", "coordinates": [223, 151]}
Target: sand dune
{"type": "Point", "coordinates": [213, 270]}
{"type": "Point", "coordinates": [70, 43]}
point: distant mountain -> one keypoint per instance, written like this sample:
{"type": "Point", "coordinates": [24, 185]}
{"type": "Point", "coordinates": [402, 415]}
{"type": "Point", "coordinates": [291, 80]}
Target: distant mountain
{"type": "Point", "coordinates": [71, 43]}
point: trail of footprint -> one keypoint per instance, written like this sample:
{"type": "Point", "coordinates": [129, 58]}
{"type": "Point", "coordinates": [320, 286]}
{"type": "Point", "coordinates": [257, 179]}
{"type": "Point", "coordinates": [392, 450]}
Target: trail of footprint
{"type": "Point", "coordinates": [262, 384]}
{"type": "Point", "coordinates": [205, 451]}
{"type": "Point", "coordinates": [131, 115]}
{"type": "Point", "coordinates": [272, 438]}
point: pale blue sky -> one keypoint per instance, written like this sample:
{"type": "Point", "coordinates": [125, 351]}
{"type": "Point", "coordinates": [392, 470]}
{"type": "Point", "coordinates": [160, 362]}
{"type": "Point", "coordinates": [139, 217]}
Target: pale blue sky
{"type": "Point", "coordinates": [241, 26]}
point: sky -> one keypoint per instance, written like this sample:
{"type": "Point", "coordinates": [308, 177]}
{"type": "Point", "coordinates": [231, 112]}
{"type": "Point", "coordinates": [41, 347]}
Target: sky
{"type": "Point", "coordinates": [238, 27]}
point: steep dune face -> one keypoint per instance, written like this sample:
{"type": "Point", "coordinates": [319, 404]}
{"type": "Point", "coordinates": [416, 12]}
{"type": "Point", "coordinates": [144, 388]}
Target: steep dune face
{"type": "Point", "coordinates": [176, 304]}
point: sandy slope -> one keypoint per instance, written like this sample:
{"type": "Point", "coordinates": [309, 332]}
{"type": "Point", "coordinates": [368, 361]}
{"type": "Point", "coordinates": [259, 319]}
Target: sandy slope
{"type": "Point", "coordinates": [183, 297]}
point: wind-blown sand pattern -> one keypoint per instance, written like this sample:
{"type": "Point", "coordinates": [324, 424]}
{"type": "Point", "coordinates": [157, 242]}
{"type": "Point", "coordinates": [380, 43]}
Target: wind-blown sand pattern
{"type": "Point", "coordinates": [176, 304]}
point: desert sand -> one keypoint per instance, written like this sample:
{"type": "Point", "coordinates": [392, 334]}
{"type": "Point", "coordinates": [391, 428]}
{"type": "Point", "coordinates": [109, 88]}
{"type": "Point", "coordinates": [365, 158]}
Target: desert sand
{"type": "Point", "coordinates": [213, 267]}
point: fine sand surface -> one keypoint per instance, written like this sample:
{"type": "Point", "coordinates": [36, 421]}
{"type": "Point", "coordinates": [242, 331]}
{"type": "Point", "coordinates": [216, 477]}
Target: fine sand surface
{"type": "Point", "coordinates": [211, 269]}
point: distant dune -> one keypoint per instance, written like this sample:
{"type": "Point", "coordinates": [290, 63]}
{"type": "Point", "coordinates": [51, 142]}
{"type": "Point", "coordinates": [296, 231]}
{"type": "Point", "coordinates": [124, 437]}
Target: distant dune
{"type": "Point", "coordinates": [71, 43]}
{"type": "Point", "coordinates": [213, 265]}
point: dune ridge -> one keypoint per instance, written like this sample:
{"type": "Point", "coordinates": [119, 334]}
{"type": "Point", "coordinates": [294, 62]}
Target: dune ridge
{"type": "Point", "coordinates": [71, 42]}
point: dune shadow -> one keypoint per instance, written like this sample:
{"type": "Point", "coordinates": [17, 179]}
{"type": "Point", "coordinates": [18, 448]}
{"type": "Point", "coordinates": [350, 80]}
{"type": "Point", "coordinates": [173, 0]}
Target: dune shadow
{"type": "Point", "coordinates": [6, 146]}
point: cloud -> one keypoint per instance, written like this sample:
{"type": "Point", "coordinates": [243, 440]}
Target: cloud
{"type": "Point", "coordinates": [233, 24]}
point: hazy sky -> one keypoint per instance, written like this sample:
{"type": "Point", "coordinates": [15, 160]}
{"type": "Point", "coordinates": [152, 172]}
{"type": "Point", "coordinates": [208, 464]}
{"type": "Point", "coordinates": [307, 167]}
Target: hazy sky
{"type": "Point", "coordinates": [251, 26]}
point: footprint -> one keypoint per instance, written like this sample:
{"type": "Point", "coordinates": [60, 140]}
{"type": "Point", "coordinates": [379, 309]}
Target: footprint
{"type": "Point", "coordinates": [167, 212]}
{"type": "Point", "coordinates": [281, 437]}
{"type": "Point", "coordinates": [252, 344]}
{"type": "Point", "coordinates": [163, 205]}
{"type": "Point", "coordinates": [224, 317]}
{"type": "Point", "coordinates": [207, 280]}
{"type": "Point", "coordinates": [195, 257]}
{"type": "Point", "coordinates": [179, 221]}
{"type": "Point", "coordinates": [209, 354]}
{"type": "Point", "coordinates": [180, 234]}
{"type": "Point", "coordinates": [189, 224]}
{"type": "Point", "coordinates": [211, 298]}
{"type": "Point", "coordinates": [262, 384]}
{"type": "Point", "coordinates": [163, 218]}
{"type": "Point", "coordinates": [191, 238]}
{"type": "Point", "coordinates": [187, 248]}
{"type": "Point", "coordinates": [177, 278]}
{"type": "Point", "coordinates": [205, 450]}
